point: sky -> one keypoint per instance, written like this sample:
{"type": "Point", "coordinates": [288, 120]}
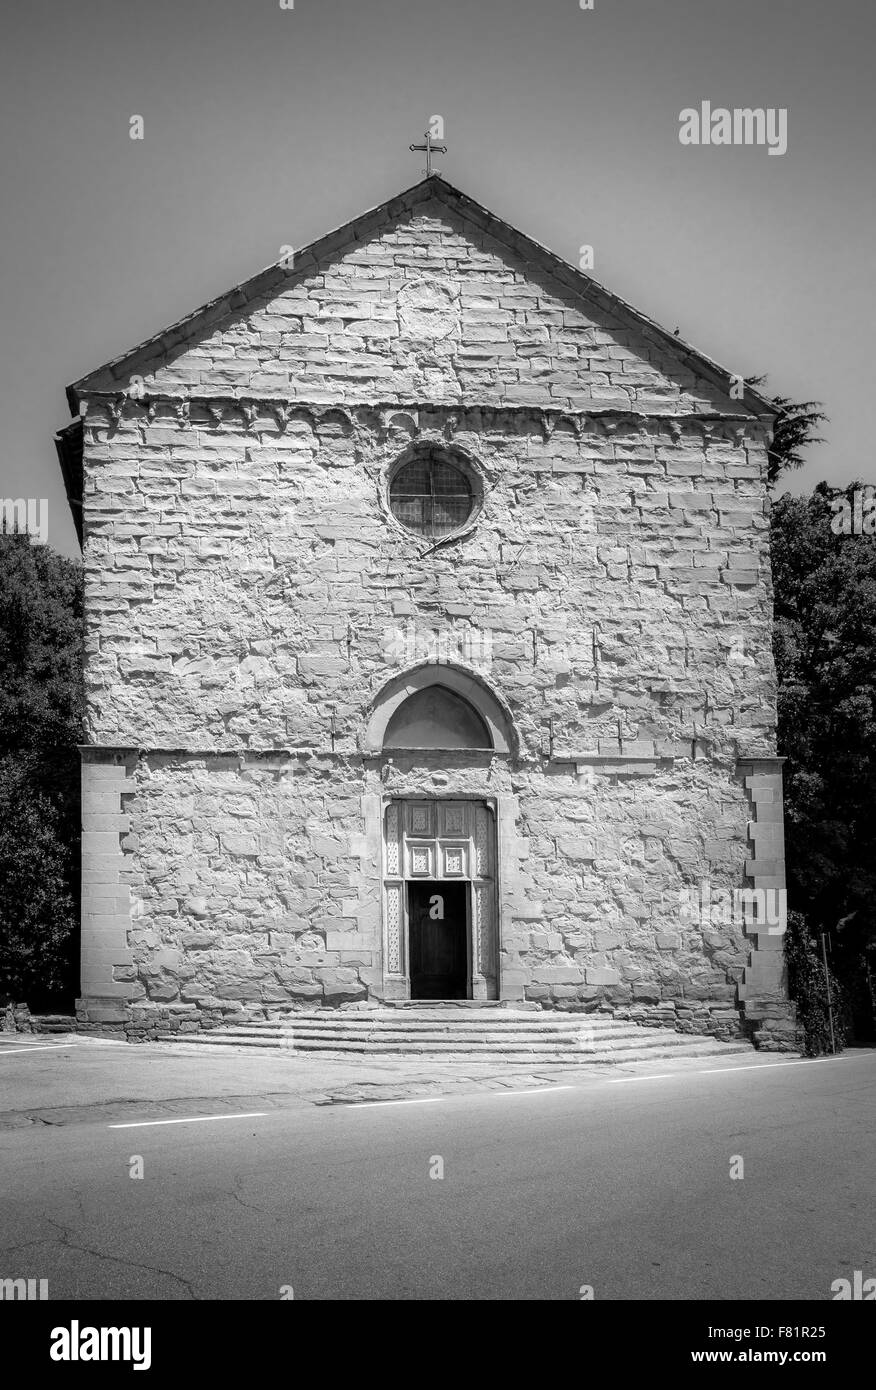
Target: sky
{"type": "Point", "coordinates": [267, 126]}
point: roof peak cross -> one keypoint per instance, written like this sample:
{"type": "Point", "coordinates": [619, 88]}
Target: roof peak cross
{"type": "Point", "coordinates": [428, 149]}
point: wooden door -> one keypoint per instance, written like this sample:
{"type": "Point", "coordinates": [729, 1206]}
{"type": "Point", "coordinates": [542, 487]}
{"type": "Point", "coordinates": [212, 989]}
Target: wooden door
{"type": "Point", "coordinates": [438, 933]}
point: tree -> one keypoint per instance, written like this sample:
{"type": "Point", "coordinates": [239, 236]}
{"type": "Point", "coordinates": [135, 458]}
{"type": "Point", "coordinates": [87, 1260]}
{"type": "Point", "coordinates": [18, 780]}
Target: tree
{"type": "Point", "coordinates": [40, 647]}
{"type": "Point", "coordinates": [820, 998]}
{"type": "Point", "coordinates": [41, 720]}
{"type": "Point", "coordinates": [825, 650]}
{"type": "Point", "coordinates": [37, 912]}
{"type": "Point", "coordinates": [793, 432]}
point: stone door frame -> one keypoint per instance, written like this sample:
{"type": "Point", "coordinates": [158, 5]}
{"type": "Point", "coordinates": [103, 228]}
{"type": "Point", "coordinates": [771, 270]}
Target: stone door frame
{"type": "Point", "coordinates": [452, 838]}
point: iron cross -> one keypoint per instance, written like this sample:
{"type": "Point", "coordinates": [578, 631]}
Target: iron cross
{"type": "Point", "coordinates": [429, 149]}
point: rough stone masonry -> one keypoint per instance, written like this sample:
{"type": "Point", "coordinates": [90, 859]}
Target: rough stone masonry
{"type": "Point", "coordinates": [256, 614]}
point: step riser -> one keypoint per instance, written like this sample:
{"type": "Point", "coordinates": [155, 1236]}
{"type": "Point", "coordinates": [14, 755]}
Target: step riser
{"type": "Point", "coordinates": [438, 1030]}
{"type": "Point", "coordinates": [664, 1046]}
{"type": "Point", "coordinates": [403, 1034]}
{"type": "Point", "coordinates": [473, 1044]}
{"type": "Point", "coordinates": [457, 1032]}
{"type": "Point", "coordinates": [530, 1058]}
{"type": "Point", "coordinates": [498, 1021]}
{"type": "Point", "coordinates": [460, 1032]}
{"type": "Point", "coordinates": [519, 1051]}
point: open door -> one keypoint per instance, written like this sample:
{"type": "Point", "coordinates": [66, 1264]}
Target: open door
{"type": "Point", "coordinates": [437, 924]}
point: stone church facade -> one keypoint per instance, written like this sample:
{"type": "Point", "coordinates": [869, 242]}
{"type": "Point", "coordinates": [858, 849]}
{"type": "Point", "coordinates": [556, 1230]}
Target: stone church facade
{"type": "Point", "coordinates": [428, 613]}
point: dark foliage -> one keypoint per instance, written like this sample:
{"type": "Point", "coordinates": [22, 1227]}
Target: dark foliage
{"type": "Point", "coordinates": [794, 431]}
{"type": "Point", "coordinates": [40, 726]}
{"type": "Point", "coordinates": [37, 911]}
{"type": "Point", "coordinates": [825, 650]}
{"type": "Point", "coordinates": [815, 993]}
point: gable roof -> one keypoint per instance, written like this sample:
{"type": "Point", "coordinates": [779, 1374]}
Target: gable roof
{"type": "Point", "coordinates": [583, 287]}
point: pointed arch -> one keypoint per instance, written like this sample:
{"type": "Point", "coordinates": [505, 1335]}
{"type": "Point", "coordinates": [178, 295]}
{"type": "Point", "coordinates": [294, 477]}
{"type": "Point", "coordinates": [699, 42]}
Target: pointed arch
{"type": "Point", "coordinates": [465, 685]}
{"type": "Point", "coordinates": [436, 717]}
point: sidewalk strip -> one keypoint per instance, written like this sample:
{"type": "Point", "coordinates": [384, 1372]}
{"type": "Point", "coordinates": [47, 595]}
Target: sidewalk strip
{"type": "Point", "coordinates": [190, 1120]}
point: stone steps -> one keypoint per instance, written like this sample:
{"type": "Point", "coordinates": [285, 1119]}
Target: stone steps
{"type": "Point", "coordinates": [429, 1034]}
{"type": "Point", "coordinates": [690, 1047]}
{"type": "Point", "coordinates": [568, 1023]}
{"type": "Point", "coordinates": [555, 1024]}
{"type": "Point", "coordinates": [54, 1023]}
{"type": "Point", "coordinates": [314, 1037]}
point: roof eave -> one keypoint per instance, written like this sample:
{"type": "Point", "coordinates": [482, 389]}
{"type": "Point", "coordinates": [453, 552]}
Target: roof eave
{"type": "Point", "coordinates": [68, 443]}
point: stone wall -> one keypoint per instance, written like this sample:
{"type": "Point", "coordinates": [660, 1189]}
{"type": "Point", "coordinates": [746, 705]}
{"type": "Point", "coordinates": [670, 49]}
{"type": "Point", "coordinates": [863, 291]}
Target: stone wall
{"type": "Point", "coordinates": [253, 889]}
{"type": "Point", "coordinates": [14, 1017]}
{"type": "Point", "coordinates": [246, 585]}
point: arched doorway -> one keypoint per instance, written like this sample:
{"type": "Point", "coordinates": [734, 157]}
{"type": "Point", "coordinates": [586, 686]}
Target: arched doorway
{"type": "Point", "coordinates": [440, 856]}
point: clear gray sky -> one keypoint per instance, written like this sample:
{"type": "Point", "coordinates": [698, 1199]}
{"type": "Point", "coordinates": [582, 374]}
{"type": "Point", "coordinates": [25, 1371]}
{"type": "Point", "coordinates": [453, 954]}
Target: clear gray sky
{"type": "Point", "coordinates": [266, 127]}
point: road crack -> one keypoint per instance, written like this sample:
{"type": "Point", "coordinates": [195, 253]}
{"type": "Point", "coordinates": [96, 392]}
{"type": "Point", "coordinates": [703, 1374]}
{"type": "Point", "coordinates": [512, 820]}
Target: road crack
{"type": "Point", "coordinates": [69, 1242]}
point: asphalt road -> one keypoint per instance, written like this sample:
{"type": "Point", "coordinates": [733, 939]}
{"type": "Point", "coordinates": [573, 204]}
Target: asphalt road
{"type": "Point", "coordinates": [615, 1180]}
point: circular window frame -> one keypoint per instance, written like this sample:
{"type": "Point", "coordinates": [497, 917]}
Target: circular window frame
{"type": "Point", "coordinates": [443, 453]}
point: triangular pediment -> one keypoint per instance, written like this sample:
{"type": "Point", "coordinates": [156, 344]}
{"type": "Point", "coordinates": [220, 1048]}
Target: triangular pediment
{"type": "Point", "coordinates": [427, 298]}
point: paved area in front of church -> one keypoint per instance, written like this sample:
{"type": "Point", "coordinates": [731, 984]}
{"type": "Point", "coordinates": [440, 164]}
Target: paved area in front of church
{"type": "Point", "coordinates": [157, 1172]}
{"type": "Point", "coordinates": [54, 1077]}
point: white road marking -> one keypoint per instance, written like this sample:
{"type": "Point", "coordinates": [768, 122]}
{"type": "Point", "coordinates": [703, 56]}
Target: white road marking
{"type": "Point", "coordinates": [190, 1120]}
{"type": "Point", "coordinates": [719, 1071]}
{"type": "Point", "coordinates": [756, 1066]}
{"type": "Point", "coordinates": [658, 1076]}
{"type": "Point", "coordinates": [373, 1104]}
{"type": "Point", "coordinates": [37, 1047]}
{"type": "Point", "coordinates": [453, 1095]}
{"type": "Point", "coordinates": [536, 1091]}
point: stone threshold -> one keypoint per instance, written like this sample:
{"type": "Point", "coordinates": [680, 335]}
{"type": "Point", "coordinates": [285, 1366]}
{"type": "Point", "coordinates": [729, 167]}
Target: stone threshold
{"type": "Point", "coordinates": [449, 1004]}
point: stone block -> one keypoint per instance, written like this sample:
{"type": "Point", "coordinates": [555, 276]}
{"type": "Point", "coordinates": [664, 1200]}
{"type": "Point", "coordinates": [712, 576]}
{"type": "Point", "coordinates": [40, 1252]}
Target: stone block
{"type": "Point", "coordinates": [600, 975]}
{"type": "Point", "coordinates": [577, 850]}
{"type": "Point", "coordinates": [240, 846]}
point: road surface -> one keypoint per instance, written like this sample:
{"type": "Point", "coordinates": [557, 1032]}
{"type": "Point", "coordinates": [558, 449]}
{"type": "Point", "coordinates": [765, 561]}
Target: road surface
{"type": "Point", "coordinates": [615, 1180]}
